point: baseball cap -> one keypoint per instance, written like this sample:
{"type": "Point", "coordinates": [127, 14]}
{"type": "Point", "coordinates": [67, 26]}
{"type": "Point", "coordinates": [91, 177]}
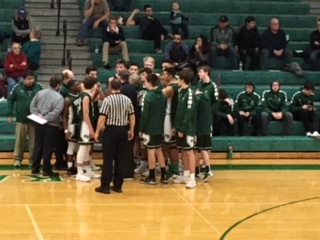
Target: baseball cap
{"type": "Point", "coordinates": [22, 12]}
{"type": "Point", "coordinates": [223, 18]}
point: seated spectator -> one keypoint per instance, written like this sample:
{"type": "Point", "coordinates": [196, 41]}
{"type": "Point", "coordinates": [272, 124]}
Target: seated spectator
{"type": "Point", "coordinates": [149, 62]}
{"type": "Point", "coordinates": [222, 40]}
{"type": "Point", "coordinates": [15, 64]}
{"type": "Point", "coordinates": [177, 20]}
{"type": "Point", "coordinates": [303, 109]}
{"type": "Point", "coordinates": [32, 49]}
{"type": "Point", "coordinates": [248, 43]}
{"type": "Point", "coordinates": [96, 14]}
{"type": "Point", "coordinates": [315, 47]}
{"type": "Point", "coordinates": [223, 114]}
{"type": "Point", "coordinates": [113, 43]}
{"type": "Point", "coordinates": [246, 108]}
{"type": "Point", "coordinates": [274, 108]}
{"type": "Point", "coordinates": [150, 27]}
{"type": "Point", "coordinates": [21, 26]}
{"type": "Point", "coordinates": [176, 50]}
{"type": "Point", "coordinates": [200, 53]}
{"type": "Point", "coordinates": [274, 44]}
{"type": "Point", "coordinates": [134, 68]}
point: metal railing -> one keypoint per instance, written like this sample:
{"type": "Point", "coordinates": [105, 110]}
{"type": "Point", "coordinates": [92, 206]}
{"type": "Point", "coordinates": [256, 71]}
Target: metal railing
{"type": "Point", "coordinates": [69, 59]}
{"type": "Point", "coordinates": [58, 17]}
{"type": "Point", "coordinates": [65, 32]}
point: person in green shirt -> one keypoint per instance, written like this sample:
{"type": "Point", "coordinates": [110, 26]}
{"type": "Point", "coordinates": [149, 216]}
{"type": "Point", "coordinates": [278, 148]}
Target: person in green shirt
{"type": "Point", "coordinates": [274, 107]}
{"type": "Point", "coordinates": [303, 109]}
{"type": "Point", "coordinates": [246, 107]}
{"type": "Point", "coordinates": [224, 114]}
{"type": "Point", "coordinates": [32, 49]}
{"type": "Point", "coordinates": [151, 128]}
{"type": "Point", "coordinates": [185, 128]}
{"type": "Point", "coordinates": [21, 97]}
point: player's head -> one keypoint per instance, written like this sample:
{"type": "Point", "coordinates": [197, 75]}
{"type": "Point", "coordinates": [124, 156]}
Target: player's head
{"type": "Point", "coordinates": [134, 68]}
{"type": "Point", "coordinates": [28, 78]}
{"type": "Point", "coordinates": [167, 63]}
{"type": "Point", "coordinates": [134, 80]}
{"type": "Point", "coordinates": [222, 94]}
{"type": "Point", "coordinates": [309, 88]}
{"type": "Point", "coordinates": [124, 76]}
{"type": "Point", "coordinates": [121, 65]}
{"type": "Point", "coordinates": [151, 81]}
{"type": "Point", "coordinates": [169, 73]}
{"type": "Point", "coordinates": [149, 62]}
{"type": "Point", "coordinates": [74, 86]}
{"type": "Point", "coordinates": [144, 72]}
{"type": "Point", "coordinates": [250, 87]}
{"type": "Point", "coordinates": [185, 77]}
{"type": "Point", "coordinates": [89, 83]}
{"type": "Point", "coordinates": [204, 72]}
{"type": "Point", "coordinates": [92, 71]}
{"type": "Point", "coordinates": [275, 86]}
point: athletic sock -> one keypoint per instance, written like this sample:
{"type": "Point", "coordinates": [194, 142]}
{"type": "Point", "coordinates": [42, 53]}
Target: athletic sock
{"type": "Point", "coordinates": [80, 170]}
{"type": "Point", "coordinates": [163, 172]}
{"type": "Point", "coordinates": [207, 169]}
{"type": "Point", "coordinates": [70, 164]}
{"type": "Point", "coordinates": [186, 173]}
{"type": "Point", "coordinates": [192, 177]}
{"type": "Point", "coordinates": [152, 174]}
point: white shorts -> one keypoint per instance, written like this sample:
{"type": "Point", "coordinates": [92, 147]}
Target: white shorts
{"type": "Point", "coordinates": [168, 136]}
{"type": "Point", "coordinates": [72, 148]}
{"type": "Point", "coordinates": [85, 138]}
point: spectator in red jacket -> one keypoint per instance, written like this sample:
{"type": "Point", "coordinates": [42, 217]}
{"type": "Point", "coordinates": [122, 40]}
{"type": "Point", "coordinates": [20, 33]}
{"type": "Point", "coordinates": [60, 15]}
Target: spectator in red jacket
{"type": "Point", "coordinates": [15, 64]}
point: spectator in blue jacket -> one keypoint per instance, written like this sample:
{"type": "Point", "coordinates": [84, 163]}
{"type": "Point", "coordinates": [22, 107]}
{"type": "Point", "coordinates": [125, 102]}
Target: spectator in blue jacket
{"type": "Point", "coordinates": [274, 44]}
{"type": "Point", "coordinates": [113, 43]}
{"type": "Point", "coordinates": [176, 50]}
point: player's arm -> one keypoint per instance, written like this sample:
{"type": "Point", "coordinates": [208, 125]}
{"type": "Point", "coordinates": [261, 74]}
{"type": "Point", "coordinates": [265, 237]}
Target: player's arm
{"type": "Point", "coordinates": [86, 107]}
{"type": "Point", "coordinates": [168, 91]}
{"type": "Point", "coordinates": [65, 115]}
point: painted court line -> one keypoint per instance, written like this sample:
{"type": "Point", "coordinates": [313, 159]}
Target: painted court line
{"type": "Point", "coordinates": [34, 223]}
{"type": "Point", "coordinates": [197, 212]}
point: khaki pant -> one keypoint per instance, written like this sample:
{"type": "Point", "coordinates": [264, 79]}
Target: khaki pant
{"type": "Point", "coordinates": [22, 131]}
{"type": "Point", "coordinates": [121, 47]}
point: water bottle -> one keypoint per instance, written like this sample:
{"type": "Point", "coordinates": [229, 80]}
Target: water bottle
{"type": "Point", "coordinates": [287, 37]}
{"type": "Point", "coordinates": [240, 66]}
{"type": "Point", "coordinates": [96, 50]}
{"type": "Point", "coordinates": [230, 152]}
{"type": "Point", "coordinates": [9, 47]}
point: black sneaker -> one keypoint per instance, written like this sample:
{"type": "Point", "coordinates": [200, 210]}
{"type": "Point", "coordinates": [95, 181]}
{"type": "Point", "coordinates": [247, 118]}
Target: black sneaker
{"type": "Point", "coordinates": [118, 190]}
{"type": "Point", "coordinates": [104, 190]}
{"type": "Point", "coordinates": [164, 180]}
{"type": "Point", "coordinates": [35, 171]}
{"type": "Point", "coordinates": [149, 181]}
{"type": "Point", "coordinates": [51, 174]}
{"type": "Point", "coordinates": [61, 165]}
{"type": "Point", "coordinates": [72, 171]}
{"type": "Point", "coordinates": [107, 66]}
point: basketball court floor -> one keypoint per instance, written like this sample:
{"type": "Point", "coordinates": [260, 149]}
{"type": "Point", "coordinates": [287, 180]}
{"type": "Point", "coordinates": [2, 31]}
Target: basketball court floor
{"type": "Point", "coordinates": [234, 205]}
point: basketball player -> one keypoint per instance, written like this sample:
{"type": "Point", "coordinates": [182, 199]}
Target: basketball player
{"type": "Point", "coordinates": [71, 123]}
{"type": "Point", "coordinates": [86, 118]}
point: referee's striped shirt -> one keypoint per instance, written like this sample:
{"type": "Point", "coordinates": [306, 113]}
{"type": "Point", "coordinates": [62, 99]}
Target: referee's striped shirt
{"type": "Point", "coordinates": [117, 107]}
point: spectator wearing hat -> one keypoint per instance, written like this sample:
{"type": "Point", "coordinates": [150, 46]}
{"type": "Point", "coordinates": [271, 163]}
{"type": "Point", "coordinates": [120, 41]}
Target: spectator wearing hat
{"type": "Point", "coordinates": [248, 43]}
{"type": "Point", "coordinates": [274, 44]}
{"type": "Point", "coordinates": [222, 40]}
{"type": "Point", "coordinates": [21, 26]}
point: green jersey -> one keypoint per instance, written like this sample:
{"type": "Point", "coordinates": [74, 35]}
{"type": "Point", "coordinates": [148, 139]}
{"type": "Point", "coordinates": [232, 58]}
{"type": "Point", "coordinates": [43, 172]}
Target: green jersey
{"type": "Point", "coordinates": [299, 99]}
{"type": "Point", "coordinates": [209, 88]}
{"type": "Point", "coordinates": [73, 117]}
{"type": "Point", "coordinates": [186, 115]}
{"type": "Point", "coordinates": [152, 112]}
{"type": "Point", "coordinates": [91, 107]}
{"type": "Point", "coordinates": [247, 102]}
{"type": "Point", "coordinates": [64, 90]}
{"type": "Point", "coordinates": [204, 115]}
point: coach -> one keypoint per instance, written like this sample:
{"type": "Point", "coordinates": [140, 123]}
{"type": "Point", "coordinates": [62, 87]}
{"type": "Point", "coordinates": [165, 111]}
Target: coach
{"type": "Point", "coordinates": [115, 113]}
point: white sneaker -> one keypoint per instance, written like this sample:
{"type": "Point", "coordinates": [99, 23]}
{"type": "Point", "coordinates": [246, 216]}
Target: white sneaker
{"type": "Point", "coordinates": [315, 134]}
{"type": "Point", "coordinates": [143, 166]}
{"type": "Point", "coordinates": [17, 163]}
{"type": "Point", "coordinates": [82, 178]}
{"type": "Point", "coordinates": [95, 168]}
{"type": "Point", "coordinates": [128, 179]}
{"type": "Point", "coordinates": [191, 184]}
{"type": "Point", "coordinates": [93, 175]}
{"type": "Point", "coordinates": [180, 180]}
{"type": "Point", "coordinates": [145, 173]}
{"type": "Point", "coordinates": [309, 134]}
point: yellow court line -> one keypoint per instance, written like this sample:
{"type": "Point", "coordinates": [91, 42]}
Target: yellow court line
{"type": "Point", "coordinates": [196, 211]}
{"type": "Point", "coordinates": [34, 222]}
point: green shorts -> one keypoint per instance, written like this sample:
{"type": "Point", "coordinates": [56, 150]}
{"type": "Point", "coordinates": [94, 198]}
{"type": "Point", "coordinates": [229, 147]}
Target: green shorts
{"type": "Point", "coordinates": [186, 142]}
{"type": "Point", "coordinates": [204, 142]}
{"type": "Point", "coordinates": [152, 141]}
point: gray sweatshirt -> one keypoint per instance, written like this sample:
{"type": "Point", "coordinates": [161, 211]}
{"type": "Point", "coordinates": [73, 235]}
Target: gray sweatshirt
{"type": "Point", "coordinates": [49, 103]}
{"type": "Point", "coordinates": [219, 36]}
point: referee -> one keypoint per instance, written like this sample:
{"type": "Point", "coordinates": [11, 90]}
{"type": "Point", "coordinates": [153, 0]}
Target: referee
{"type": "Point", "coordinates": [115, 112]}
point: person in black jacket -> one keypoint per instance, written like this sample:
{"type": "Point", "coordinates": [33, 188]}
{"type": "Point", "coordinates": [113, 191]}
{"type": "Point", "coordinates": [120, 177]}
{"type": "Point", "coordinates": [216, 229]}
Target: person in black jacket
{"type": "Point", "coordinates": [274, 44]}
{"type": "Point", "coordinates": [200, 53]}
{"type": "Point", "coordinates": [21, 26]}
{"type": "Point", "coordinates": [248, 43]}
{"type": "Point", "coordinates": [315, 47]}
{"type": "Point", "coordinates": [113, 42]}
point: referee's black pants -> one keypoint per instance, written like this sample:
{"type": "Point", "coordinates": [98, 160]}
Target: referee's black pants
{"type": "Point", "coordinates": [115, 147]}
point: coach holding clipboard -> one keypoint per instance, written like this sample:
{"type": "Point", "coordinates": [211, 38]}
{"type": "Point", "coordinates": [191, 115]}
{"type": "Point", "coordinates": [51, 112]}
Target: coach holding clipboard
{"type": "Point", "coordinates": [47, 104]}
{"type": "Point", "coordinates": [115, 114]}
